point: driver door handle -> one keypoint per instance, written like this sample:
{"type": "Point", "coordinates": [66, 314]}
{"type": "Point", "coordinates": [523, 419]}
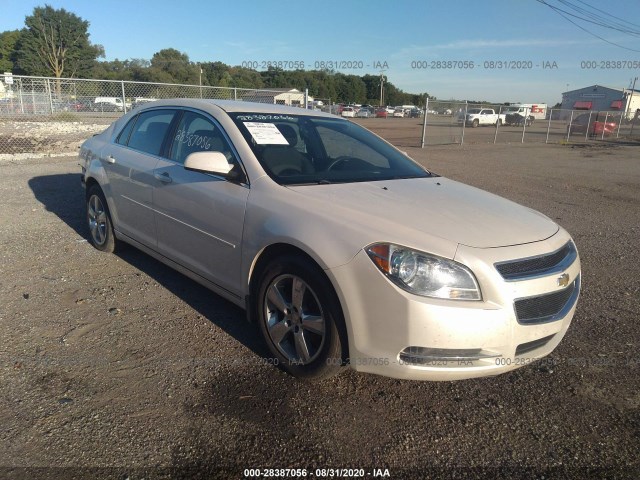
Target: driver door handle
{"type": "Point", "coordinates": [164, 177]}
{"type": "Point", "coordinates": [110, 159]}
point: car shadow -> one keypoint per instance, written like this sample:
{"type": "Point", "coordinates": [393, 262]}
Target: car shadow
{"type": "Point", "coordinates": [63, 195]}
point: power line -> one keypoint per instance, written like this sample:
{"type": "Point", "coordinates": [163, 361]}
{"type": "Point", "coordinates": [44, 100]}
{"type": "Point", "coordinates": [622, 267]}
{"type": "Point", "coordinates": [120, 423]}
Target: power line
{"type": "Point", "coordinates": [593, 18]}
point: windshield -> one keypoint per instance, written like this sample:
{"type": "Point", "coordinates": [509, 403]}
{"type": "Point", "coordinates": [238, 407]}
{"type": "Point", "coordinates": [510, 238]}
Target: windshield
{"type": "Point", "coordinates": [299, 149]}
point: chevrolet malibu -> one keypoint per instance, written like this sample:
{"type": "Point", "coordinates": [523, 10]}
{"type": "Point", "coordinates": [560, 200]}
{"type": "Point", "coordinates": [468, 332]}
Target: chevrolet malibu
{"type": "Point", "coordinates": [344, 250]}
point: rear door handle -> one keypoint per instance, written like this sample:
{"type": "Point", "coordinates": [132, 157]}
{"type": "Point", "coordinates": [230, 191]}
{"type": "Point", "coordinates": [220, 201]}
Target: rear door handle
{"type": "Point", "coordinates": [164, 177]}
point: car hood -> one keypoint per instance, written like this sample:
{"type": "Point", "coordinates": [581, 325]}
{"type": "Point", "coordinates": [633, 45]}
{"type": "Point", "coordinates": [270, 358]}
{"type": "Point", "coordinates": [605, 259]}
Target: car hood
{"type": "Point", "coordinates": [433, 206]}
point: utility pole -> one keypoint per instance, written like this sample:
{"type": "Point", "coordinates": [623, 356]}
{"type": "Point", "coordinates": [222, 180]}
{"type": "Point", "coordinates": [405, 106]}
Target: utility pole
{"type": "Point", "coordinates": [381, 88]}
{"type": "Point", "coordinates": [628, 106]}
{"type": "Point", "coordinates": [633, 89]}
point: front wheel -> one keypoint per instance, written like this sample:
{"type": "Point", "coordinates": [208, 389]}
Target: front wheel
{"type": "Point", "coordinates": [300, 318]}
{"type": "Point", "coordinates": [475, 123]}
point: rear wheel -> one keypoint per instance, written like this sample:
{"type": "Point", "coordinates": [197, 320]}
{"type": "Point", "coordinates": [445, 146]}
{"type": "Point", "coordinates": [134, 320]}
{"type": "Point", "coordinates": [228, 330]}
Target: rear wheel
{"type": "Point", "coordinates": [300, 318]}
{"type": "Point", "coordinates": [99, 221]}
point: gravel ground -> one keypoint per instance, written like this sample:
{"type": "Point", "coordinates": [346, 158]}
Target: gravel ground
{"type": "Point", "coordinates": [118, 367]}
{"type": "Point", "coordinates": [31, 139]}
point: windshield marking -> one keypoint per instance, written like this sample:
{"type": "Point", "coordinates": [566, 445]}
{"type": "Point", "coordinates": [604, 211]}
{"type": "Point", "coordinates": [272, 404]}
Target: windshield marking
{"type": "Point", "coordinates": [266, 133]}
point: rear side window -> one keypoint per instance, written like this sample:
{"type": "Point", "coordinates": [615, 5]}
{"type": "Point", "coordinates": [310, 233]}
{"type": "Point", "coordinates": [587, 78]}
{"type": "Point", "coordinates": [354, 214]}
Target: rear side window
{"type": "Point", "coordinates": [123, 138]}
{"type": "Point", "coordinates": [149, 133]}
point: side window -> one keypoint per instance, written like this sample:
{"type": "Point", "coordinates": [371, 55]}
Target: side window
{"type": "Point", "coordinates": [196, 133]}
{"type": "Point", "coordinates": [149, 132]}
{"type": "Point", "coordinates": [123, 138]}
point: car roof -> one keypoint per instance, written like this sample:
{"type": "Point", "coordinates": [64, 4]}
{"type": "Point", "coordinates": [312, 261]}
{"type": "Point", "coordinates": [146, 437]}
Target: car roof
{"type": "Point", "coordinates": [233, 106]}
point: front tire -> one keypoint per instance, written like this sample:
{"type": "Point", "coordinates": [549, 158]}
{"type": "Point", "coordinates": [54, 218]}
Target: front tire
{"type": "Point", "coordinates": [99, 221]}
{"type": "Point", "coordinates": [475, 123]}
{"type": "Point", "coordinates": [300, 318]}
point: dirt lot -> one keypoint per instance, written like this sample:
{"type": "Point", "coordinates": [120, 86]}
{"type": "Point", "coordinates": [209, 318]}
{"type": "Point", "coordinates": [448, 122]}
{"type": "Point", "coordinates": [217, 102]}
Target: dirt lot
{"type": "Point", "coordinates": [118, 367]}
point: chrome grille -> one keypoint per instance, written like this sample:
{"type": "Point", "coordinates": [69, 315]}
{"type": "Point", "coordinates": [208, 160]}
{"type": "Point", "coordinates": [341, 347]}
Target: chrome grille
{"type": "Point", "coordinates": [548, 307]}
{"type": "Point", "coordinates": [538, 266]}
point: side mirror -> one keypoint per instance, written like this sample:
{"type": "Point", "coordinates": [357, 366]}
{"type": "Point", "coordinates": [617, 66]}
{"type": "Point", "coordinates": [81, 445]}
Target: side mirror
{"type": "Point", "coordinates": [208, 162]}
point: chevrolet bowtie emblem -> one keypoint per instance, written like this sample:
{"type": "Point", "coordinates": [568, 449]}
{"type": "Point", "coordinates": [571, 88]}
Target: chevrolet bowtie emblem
{"type": "Point", "coordinates": [563, 280]}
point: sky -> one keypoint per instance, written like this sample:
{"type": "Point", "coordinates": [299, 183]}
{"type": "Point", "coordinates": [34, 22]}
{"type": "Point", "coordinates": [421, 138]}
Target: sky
{"type": "Point", "coordinates": [520, 50]}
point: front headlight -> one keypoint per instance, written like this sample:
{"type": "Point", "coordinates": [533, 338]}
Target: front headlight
{"type": "Point", "coordinates": [424, 274]}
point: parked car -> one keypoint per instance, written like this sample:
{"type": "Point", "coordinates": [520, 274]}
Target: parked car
{"type": "Point", "coordinates": [382, 113]}
{"type": "Point", "coordinates": [348, 112]}
{"type": "Point", "coordinates": [105, 107]}
{"type": "Point", "coordinates": [517, 119]}
{"type": "Point", "coordinates": [81, 105]}
{"type": "Point", "coordinates": [100, 104]}
{"type": "Point", "coordinates": [342, 249]}
{"type": "Point", "coordinates": [596, 122]}
{"type": "Point", "coordinates": [364, 113]}
{"type": "Point", "coordinates": [398, 112]}
{"type": "Point", "coordinates": [415, 113]}
{"type": "Point", "coordinates": [8, 105]}
{"type": "Point", "coordinates": [141, 101]}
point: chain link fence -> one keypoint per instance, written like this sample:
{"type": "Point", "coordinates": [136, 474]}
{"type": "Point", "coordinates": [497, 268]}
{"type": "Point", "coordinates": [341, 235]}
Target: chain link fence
{"type": "Point", "coordinates": [42, 116]}
{"type": "Point", "coordinates": [460, 122]}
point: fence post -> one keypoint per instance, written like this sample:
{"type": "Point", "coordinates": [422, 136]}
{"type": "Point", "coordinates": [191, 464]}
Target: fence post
{"type": "Point", "coordinates": [124, 98]}
{"type": "Point", "coordinates": [424, 123]}
{"type": "Point", "coordinates": [235, 93]}
{"type": "Point", "coordinates": [495, 135]}
{"type": "Point", "coordinates": [569, 127]}
{"type": "Point", "coordinates": [524, 123]}
{"type": "Point", "coordinates": [586, 133]}
{"type": "Point", "coordinates": [606, 117]}
{"type": "Point", "coordinates": [464, 120]}
{"type": "Point", "coordinates": [549, 126]}
{"type": "Point", "coordinates": [50, 97]}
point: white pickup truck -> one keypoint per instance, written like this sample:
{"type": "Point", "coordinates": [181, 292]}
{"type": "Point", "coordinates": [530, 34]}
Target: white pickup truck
{"type": "Point", "coordinates": [481, 116]}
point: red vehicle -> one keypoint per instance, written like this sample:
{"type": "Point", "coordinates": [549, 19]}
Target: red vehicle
{"type": "Point", "coordinates": [596, 123]}
{"type": "Point", "coordinates": [381, 113]}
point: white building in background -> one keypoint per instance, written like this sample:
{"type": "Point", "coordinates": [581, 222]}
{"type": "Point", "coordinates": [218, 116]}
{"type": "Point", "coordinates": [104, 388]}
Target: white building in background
{"type": "Point", "coordinates": [281, 96]}
{"type": "Point", "coordinates": [598, 98]}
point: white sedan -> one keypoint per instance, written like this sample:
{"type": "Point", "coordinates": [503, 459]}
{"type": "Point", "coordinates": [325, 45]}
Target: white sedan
{"type": "Point", "coordinates": [348, 112]}
{"type": "Point", "coordinates": [344, 250]}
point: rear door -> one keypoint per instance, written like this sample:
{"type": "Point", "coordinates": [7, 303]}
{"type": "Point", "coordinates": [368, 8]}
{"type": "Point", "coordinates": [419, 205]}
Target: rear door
{"type": "Point", "coordinates": [129, 164]}
{"type": "Point", "coordinates": [199, 216]}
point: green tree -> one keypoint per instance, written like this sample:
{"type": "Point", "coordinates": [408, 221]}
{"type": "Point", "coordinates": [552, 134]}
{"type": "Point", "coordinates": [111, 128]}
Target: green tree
{"type": "Point", "coordinates": [56, 42]}
{"type": "Point", "coordinates": [173, 66]}
{"type": "Point", "coordinates": [8, 42]}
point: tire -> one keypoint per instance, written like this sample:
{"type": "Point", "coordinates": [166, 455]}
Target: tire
{"type": "Point", "coordinates": [475, 123]}
{"type": "Point", "coordinates": [99, 222]}
{"type": "Point", "coordinates": [305, 333]}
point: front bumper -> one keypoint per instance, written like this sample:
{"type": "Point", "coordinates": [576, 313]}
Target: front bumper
{"type": "Point", "coordinates": [401, 335]}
